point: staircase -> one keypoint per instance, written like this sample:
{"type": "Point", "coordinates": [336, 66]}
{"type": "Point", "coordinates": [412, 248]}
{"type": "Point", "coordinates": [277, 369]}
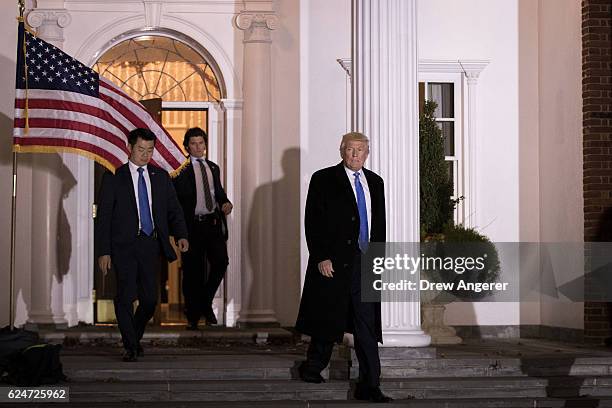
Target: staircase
{"type": "Point", "coordinates": [526, 373]}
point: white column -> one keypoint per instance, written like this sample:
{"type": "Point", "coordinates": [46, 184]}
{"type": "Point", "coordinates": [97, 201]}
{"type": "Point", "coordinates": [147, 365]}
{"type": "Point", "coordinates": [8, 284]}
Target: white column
{"type": "Point", "coordinates": [256, 165]}
{"type": "Point", "coordinates": [83, 247]}
{"type": "Point", "coordinates": [46, 197]}
{"type": "Point", "coordinates": [216, 153]}
{"type": "Point", "coordinates": [216, 145]}
{"type": "Point", "coordinates": [233, 149]}
{"type": "Point", "coordinates": [385, 108]}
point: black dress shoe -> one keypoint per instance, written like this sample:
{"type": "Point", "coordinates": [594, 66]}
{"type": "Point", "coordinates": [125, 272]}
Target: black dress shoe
{"type": "Point", "coordinates": [192, 326]}
{"type": "Point", "coordinates": [129, 356]}
{"type": "Point", "coordinates": [373, 394]}
{"type": "Point", "coordinates": [139, 351]}
{"type": "Point", "coordinates": [310, 377]}
{"type": "Point", "coordinates": [210, 317]}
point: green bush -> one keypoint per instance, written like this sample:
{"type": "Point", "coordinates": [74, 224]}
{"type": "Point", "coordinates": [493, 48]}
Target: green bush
{"type": "Point", "coordinates": [436, 187]}
{"type": "Point", "coordinates": [458, 242]}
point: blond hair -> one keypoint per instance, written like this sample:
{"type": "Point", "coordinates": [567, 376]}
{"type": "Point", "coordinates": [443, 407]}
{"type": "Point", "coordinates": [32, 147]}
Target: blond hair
{"type": "Point", "coordinates": [354, 136]}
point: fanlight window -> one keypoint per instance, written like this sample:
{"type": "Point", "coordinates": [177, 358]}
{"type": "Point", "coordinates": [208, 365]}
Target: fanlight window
{"type": "Point", "coordinates": [148, 67]}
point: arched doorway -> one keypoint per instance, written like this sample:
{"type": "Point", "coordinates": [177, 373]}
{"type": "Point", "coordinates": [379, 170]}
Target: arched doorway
{"type": "Point", "coordinates": [180, 84]}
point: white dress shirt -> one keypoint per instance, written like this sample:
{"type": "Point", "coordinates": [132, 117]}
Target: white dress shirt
{"type": "Point", "coordinates": [200, 208]}
{"type": "Point", "coordinates": [134, 172]}
{"type": "Point", "coordinates": [366, 191]}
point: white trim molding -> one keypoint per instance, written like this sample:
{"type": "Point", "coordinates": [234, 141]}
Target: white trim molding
{"type": "Point", "coordinates": [153, 13]}
{"type": "Point", "coordinates": [468, 67]}
{"type": "Point", "coordinates": [257, 25]}
{"type": "Point", "coordinates": [347, 66]}
{"type": "Point", "coordinates": [453, 66]}
{"type": "Point", "coordinates": [50, 24]}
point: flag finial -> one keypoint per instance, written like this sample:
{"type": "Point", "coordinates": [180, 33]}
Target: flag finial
{"type": "Point", "coordinates": [21, 4]}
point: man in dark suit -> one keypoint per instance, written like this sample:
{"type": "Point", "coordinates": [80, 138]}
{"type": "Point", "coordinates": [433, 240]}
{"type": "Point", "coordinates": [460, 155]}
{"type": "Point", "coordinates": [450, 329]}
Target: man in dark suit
{"type": "Point", "coordinates": [205, 206]}
{"type": "Point", "coordinates": [137, 212]}
{"type": "Point", "coordinates": [345, 210]}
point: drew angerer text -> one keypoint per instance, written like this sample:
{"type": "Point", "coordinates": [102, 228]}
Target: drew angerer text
{"type": "Point", "coordinates": [412, 264]}
{"type": "Point", "coordinates": [424, 284]}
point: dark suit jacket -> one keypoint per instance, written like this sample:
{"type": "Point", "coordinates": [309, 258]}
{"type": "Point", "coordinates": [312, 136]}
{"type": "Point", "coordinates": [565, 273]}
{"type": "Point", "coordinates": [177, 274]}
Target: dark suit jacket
{"type": "Point", "coordinates": [332, 232]}
{"type": "Point", "coordinates": [117, 218]}
{"type": "Point", "coordinates": [185, 187]}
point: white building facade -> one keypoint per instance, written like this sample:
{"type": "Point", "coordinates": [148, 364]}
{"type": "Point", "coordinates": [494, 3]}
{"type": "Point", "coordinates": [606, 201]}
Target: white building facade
{"type": "Point", "coordinates": [515, 70]}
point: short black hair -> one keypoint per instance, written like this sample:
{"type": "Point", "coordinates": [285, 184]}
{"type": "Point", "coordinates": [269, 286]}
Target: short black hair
{"type": "Point", "coordinates": [144, 134]}
{"type": "Point", "coordinates": [194, 132]}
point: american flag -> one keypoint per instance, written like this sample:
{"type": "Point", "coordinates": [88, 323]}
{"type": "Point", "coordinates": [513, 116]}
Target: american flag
{"type": "Point", "coordinates": [63, 105]}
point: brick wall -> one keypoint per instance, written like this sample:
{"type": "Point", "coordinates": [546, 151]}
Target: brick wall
{"type": "Point", "coordinates": [597, 144]}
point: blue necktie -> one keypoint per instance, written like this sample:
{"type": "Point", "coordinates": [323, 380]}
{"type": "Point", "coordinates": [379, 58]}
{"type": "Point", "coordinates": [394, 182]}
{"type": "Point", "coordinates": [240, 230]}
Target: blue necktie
{"type": "Point", "coordinates": [364, 236]}
{"type": "Point", "coordinates": [146, 223]}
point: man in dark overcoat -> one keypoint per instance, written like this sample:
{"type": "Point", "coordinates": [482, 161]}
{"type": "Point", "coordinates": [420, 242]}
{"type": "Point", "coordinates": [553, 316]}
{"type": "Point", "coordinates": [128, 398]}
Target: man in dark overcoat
{"type": "Point", "coordinates": [345, 210]}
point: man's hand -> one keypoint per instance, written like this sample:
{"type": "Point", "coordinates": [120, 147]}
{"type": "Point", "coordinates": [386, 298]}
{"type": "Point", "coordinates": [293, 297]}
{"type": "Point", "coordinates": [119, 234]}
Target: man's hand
{"type": "Point", "coordinates": [104, 263]}
{"type": "Point", "coordinates": [326, 268]}
{"type": "Point", "coordinates": [183, 245]}
{"type": "Point", "coordinates": [227, 208]}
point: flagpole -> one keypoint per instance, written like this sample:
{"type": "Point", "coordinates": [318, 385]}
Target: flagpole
{"type": "Point", "coordinates": [21, 5]}
{"type": "Point", "coordinates": [13, 230]}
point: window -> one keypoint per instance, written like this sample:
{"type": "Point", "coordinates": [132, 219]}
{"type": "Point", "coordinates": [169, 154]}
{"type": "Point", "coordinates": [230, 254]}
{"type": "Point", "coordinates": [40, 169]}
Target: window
{"type": "Point", "coordinates": [153, 66]}
{"type": "Point", "coordinates": [445, 90]}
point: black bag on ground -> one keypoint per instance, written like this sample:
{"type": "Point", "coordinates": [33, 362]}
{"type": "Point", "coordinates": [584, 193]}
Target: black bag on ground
{"type": "Point", "coordinates": [36, 365]}
{"type": "Point", "coordinates": [12, 341]}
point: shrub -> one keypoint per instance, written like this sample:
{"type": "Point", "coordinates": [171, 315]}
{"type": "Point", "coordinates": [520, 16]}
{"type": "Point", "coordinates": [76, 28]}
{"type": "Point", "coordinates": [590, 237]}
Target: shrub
{"type": "Point", "coordinates": [459, 242]}
{"type": "Point", "coordinates": [436, 187]}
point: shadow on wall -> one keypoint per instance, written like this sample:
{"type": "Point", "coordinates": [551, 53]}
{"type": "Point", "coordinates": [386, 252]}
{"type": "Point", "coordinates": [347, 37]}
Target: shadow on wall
{"type": "Point", "coordinates": [54, 165]}
{"type": "Point", "coordinates": [274, 241]}
{"type": "Point", "coordinates": [286, 232]}
{"type": "Point", "coordinates": [64, 245]}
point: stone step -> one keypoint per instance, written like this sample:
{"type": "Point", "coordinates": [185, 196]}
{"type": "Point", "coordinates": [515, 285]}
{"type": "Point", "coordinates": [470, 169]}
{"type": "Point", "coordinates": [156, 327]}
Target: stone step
{"type": "Point", "coordinates": [284, 366]}
{"type": "Point", "coordinates": [197, 367]}
{"type": "Point", "coordinates": [272, 390]}
{"type": "Point", "coordinates": [586, 402]}
{"type": "Point", "coordinates": [170, 336]}
{"type": "Point", "coordinates": [486, 367]}
{"type": "Point", "coordinates": [545, 365]}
